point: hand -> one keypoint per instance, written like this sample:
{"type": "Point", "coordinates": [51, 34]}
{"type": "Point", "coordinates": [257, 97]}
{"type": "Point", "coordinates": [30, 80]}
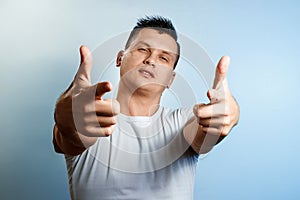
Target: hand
{"type": "Point", "coordinates": [222, 113]}
{"type": "Point", "coordinates": [81, 111]}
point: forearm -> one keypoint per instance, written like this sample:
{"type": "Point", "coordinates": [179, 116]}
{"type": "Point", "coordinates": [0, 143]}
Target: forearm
{"type": "Point", "coordinates": [70, 143]}
{"type": "Point", "coordinates": [205, 141]}
{"type": "Point", "coordinates": [201, 141]}
{"type": "Point", "coordinates": [66, 145]}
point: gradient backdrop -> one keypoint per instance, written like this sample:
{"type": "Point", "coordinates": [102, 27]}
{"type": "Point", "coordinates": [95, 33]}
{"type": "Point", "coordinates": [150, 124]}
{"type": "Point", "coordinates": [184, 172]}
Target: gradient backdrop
{"type": "Point", "coordinates": [39, 57]}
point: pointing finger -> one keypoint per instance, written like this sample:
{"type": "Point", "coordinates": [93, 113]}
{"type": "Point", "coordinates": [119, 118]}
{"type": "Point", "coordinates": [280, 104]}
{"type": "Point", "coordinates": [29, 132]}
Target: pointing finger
{"type": "Point", "coordinates": [86, 61]}
{"type": "Point", "coordinates": [95, 92]}
{"type": "Point", "coordinates": [210, 110]}
{"type": "Point", "coordinates": [102, 88]}
{"type": "Point", "coordinates": [107, 107]}
{"type": "Point", "coordinates": [221, 71]}
{"type": "Point", "coordinates": [215, 95]}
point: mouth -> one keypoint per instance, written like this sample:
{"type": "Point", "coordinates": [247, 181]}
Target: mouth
{"type": "Point", "coordinates": [146, 73]}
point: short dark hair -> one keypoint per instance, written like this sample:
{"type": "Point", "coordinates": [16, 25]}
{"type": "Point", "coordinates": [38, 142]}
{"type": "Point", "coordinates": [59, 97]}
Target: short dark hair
{"type": "Point", "coordinates": [158, 23]}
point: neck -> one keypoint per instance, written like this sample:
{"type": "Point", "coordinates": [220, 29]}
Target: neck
{"type": "Point", "coordinates": [141, 102]}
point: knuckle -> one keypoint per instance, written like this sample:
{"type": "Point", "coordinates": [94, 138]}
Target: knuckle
{"type": "Point", "coordinates": [226, 110]}
{"type": "Point", "coordinates": [205, 129]}
{"type": "Point", "coordinates": [197, 114]}
{"type": "Point", "coordinates": [114, 120]}
{"type": "Point", "coordinates": [205, 122]}
{"type": "Point", "coordinates": [85, 108]}
{"type": "Point", "coordinates": [84, 121]}
{"type": "Point", "coordinates": [115, 107]}
{"type": "Point", "coordinates": [196, 110]}
{"type": "Point", "coordinates": [87, 131]}
{"type": "Point", "coordinates": [107, 131]}
{"type": "Point", "coordinates": [224, 132]}
{"type": "Point", "coordinates": [226, 121]}
{"type": "Point", "coordinates": [200, 112]}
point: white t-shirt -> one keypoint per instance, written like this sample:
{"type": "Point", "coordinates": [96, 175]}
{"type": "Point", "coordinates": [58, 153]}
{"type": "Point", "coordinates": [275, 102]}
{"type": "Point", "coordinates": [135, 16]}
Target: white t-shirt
{"type": "Point", "coordinates": [144, 158]}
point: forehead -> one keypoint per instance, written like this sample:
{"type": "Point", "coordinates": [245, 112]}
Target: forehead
{"type": "Point", "coordinates": [155, 39]}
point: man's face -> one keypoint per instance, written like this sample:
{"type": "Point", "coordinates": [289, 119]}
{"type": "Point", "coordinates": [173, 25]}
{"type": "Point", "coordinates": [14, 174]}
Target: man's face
{"type": "Point", "coordinates": [149, 60]}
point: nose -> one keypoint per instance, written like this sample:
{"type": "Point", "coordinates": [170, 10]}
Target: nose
{"type": "Point", "coordinates": [150, 60]}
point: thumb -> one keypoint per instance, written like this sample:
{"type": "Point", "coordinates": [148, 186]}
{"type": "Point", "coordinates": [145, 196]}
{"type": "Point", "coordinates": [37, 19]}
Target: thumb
{"type": "Point", "coordinates": [221, 71]}
{"type": "Point", "coordinates": [83, 75]}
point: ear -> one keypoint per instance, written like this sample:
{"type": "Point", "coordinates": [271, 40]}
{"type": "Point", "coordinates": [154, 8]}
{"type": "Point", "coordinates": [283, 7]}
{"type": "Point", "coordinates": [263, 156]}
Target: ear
{"type": "Point", "coordinates": [119, 58]}
{"type": "Point", "coordinates": [172, 79]}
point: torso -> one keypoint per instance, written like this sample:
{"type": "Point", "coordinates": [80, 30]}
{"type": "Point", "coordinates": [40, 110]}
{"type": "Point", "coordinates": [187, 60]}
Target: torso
{"type": "Point", "coordinates": [144, 158]}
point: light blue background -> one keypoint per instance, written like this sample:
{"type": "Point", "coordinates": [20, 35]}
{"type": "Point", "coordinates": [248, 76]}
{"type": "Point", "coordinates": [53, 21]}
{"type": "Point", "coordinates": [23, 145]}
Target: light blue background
{"type": "Point", "coordinates": [39, 57]}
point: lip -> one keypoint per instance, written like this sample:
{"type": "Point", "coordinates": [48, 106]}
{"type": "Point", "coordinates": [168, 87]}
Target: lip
{"type": "Point", "coordinates": [146, 72]}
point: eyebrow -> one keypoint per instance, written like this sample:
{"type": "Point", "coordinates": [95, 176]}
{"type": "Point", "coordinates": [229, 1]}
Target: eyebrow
{"type": "Point", "coordinates": [163, 51]}
{"type": "Point", "coordinates": [144, 43]}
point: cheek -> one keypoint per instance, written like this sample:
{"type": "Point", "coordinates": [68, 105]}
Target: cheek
{"type": "Point", "coordinates": [165, 77]}
{"type": "Point", "coordinates": [130, 62]}
{"type": "Point", "coordinates": [135, 57]}
{"type": "Point", "coordinates": [126, 66]}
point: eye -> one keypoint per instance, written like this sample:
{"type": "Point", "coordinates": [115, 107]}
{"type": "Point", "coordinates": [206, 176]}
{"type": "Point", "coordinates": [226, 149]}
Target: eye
{"type": "Point", "coordinates": [142, 49]}
{"type": "Point", "coordinates": [164, 58]}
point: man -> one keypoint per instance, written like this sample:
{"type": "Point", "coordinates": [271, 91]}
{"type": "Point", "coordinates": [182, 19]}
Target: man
{"type": "Point", "coordinates": [131, 147]}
